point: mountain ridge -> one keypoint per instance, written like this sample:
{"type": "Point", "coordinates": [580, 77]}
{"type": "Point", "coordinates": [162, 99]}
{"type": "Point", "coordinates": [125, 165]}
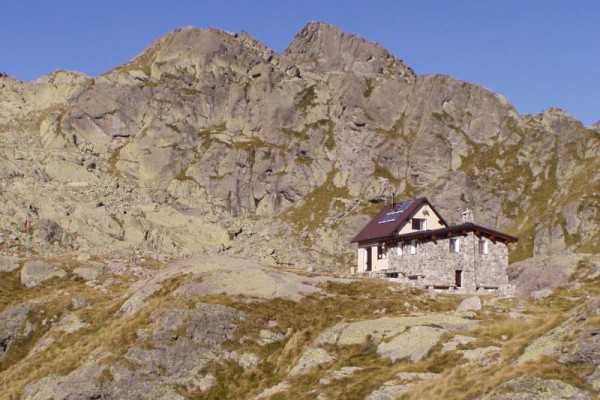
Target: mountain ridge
{"type": "Point", "coordinates": [207, 116]}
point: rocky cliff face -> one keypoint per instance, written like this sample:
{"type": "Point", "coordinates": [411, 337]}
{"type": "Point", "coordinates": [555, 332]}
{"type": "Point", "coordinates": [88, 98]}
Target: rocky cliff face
{"type": "Point", "coordinates": [211, 142]}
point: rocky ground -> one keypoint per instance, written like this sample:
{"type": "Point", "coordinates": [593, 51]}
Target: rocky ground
{"type": "Point", "coordinates": [108, 327]}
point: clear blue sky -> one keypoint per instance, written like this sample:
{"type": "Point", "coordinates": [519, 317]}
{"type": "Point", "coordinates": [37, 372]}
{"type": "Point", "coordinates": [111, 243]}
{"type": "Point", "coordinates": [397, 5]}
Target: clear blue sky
{"type": "Point", "coordinates": [537, 53]}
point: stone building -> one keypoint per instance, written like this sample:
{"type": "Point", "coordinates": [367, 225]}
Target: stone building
{"type": "Point", "coordinates": [410, 242]}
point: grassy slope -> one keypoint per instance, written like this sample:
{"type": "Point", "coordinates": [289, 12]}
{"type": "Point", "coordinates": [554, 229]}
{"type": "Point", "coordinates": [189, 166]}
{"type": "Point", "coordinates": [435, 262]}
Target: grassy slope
{"type": "Point", "coordinates": [303, 321]}
{"type": "Point", "coordinates": [457, 379]}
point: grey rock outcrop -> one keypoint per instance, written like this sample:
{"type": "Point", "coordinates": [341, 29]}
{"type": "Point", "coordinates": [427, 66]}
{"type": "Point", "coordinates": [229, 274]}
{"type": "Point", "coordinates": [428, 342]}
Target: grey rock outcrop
{"type": "Point", "coordinates": [414, 344]}
{"type": "Point", "coordinates": [543, 272]}
{"type": "Point", "coordinates": [535, 388]}
{"type": "Point", "coordinates": [280, 387]}
{"type": "Point", "coordinates": [82, 383]}
{"type": "Point", "coordinates": [326, 48]}
{"type": "Point", "coordinates": [380, 329]}
{"type": "Point", "coordinates": [183, 342]}
{"type": "Point", "coordinates": [470, 304]}
{"type": "Point", "coordinates": [311, 358]}
{"type": "Point", "coordinates": [8, 264]}
{"type": "Point", "coordinates": [394, 388]}
{"type": "Point", "coordinates": [136, 301]}
{"type": "Point", "coordinates": [12, 320]}
{"type": "Point", "coordinates": [49, 231]}
{"type": "Point", "coordinates": [34, 273]}
{"type": "Point", "coordinates": [396, 338]}
{"type": "Point", "coordinates": [88, 272]}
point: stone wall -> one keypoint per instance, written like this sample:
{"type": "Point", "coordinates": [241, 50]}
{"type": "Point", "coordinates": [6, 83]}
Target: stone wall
{"type": "Point", "coordinates": [434, 266]}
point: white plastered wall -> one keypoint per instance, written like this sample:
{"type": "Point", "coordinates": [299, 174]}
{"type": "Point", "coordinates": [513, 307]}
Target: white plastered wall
{"type": "Point", "coordinates": [376, 264]}
{"type": "Point", "coordinates": [426, 213]}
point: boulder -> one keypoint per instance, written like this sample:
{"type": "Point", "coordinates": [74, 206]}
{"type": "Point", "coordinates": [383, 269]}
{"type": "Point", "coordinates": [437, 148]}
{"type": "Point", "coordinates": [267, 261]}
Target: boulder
{"type": "Point", "coordinates": [248, 360]}
{"type": "Point", "coordinates": [309, 359]}
{"type": "Point", "coordinates": [70, 323]}
{"type": "Point", "coordinates": [453, 343]}
{"type": "Point", "coordinates": [136, 301]}
{"type": "Point", "coordinates": [594, 379]}
{"type": "Point", "coordinates": [482, 355]}
{"type": "Point", "coordinates": [49, 231]}
{"type": "Point", "coordinates": [78, 303]}
{"type": "Point", "coordinates": [89, 272]}
{"type": "Point", "coordinates": [267, 337]}
{"type": "Point", "coordinates": [344, 372]}
{"type": "Point", "coordinates": [534, 389]}
{"type": "Point", "coordinates": [542, 272]}
{"type": "Point", "coordinates": [12, 320]}
{"type": "Point", "coordinates": [83, 381]}
{"type": "Point", "coordinates": [541, 294]}
{"type": "Point", "coordinates": [547, 344]}
{"type": "Point", "coordinates": [414, 344]}
{"type": "Point", "coordinates": [8, 264]}
{"type": "Point", "coordinates": [470, 304]}
{"type": "Point", "coordinates": [267, 393]}
{"type": "Point", "coordinates": [390, 390]}
{"type": "Point", "coordinates": [36, 272]}
{"type": "Point", "coordinates": [385, 328]}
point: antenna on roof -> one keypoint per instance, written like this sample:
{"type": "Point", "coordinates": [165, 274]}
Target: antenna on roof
{"type": "Point", "coordinates": [384, 181]}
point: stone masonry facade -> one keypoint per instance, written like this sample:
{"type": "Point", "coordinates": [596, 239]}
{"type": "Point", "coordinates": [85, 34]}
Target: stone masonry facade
{"type": "Point", "coordinates": [467, 269]}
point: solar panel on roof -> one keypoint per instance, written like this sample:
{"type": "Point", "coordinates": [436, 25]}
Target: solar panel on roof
{"type": "Point", "coordinates": [389, 217]}
{"type": "Point", "coordinates": [403, 206]}
{"type": "Point", "coordinates": [399, 209]}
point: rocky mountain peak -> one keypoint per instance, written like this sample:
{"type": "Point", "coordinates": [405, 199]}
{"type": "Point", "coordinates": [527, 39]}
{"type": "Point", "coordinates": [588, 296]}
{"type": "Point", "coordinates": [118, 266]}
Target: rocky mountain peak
{"type": "Point", "coordinates": [194, 51]}
{"type": "Point", "coordinates": [556, 113]}
{"type": "Point", "coordinates": [60, 76]}
{"type": "Point", "coordinates": [327, 48]}
{"type": "Point", "coordinates": [559, 121]}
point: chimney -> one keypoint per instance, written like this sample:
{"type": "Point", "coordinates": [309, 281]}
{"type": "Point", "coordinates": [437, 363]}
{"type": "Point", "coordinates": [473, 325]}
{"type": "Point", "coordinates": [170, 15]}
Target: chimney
{"type": "Point", "coordinates": [467, 216]}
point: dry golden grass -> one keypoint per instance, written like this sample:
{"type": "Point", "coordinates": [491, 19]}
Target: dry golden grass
{"type": "Point", "coordinates": [458, 379]}
{"type": "Point", "coordinates": [306, 319]}
{"type": "Point", "coordinates": [107, 329]}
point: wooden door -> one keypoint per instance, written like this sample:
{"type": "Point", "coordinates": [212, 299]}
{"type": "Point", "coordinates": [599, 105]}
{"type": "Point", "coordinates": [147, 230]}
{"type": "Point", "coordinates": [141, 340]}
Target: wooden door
{"type": "Point", "coordinates": [458, 278]}
{"type": "Point", "coordinates": [369, 259]}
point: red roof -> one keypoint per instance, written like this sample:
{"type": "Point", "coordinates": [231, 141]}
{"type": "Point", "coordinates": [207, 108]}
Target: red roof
{"type": "Point", "coordinates": [376, 230]}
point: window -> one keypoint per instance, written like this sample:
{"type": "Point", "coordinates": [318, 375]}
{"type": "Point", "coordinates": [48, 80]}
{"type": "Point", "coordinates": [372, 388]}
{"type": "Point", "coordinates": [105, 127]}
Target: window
{"type": "Point", "coordinates": [399, 247]}
{"type": "Point", "coordinates": [454, 245]}
{"type": "Point", "coordinates": [419, 224]}
{"type": "Point", "coordinates": [413, 247]}
{"type": "Point", "coordinates": [381, 251]}
{"type": "Point", "coordinates": [483, 246]}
